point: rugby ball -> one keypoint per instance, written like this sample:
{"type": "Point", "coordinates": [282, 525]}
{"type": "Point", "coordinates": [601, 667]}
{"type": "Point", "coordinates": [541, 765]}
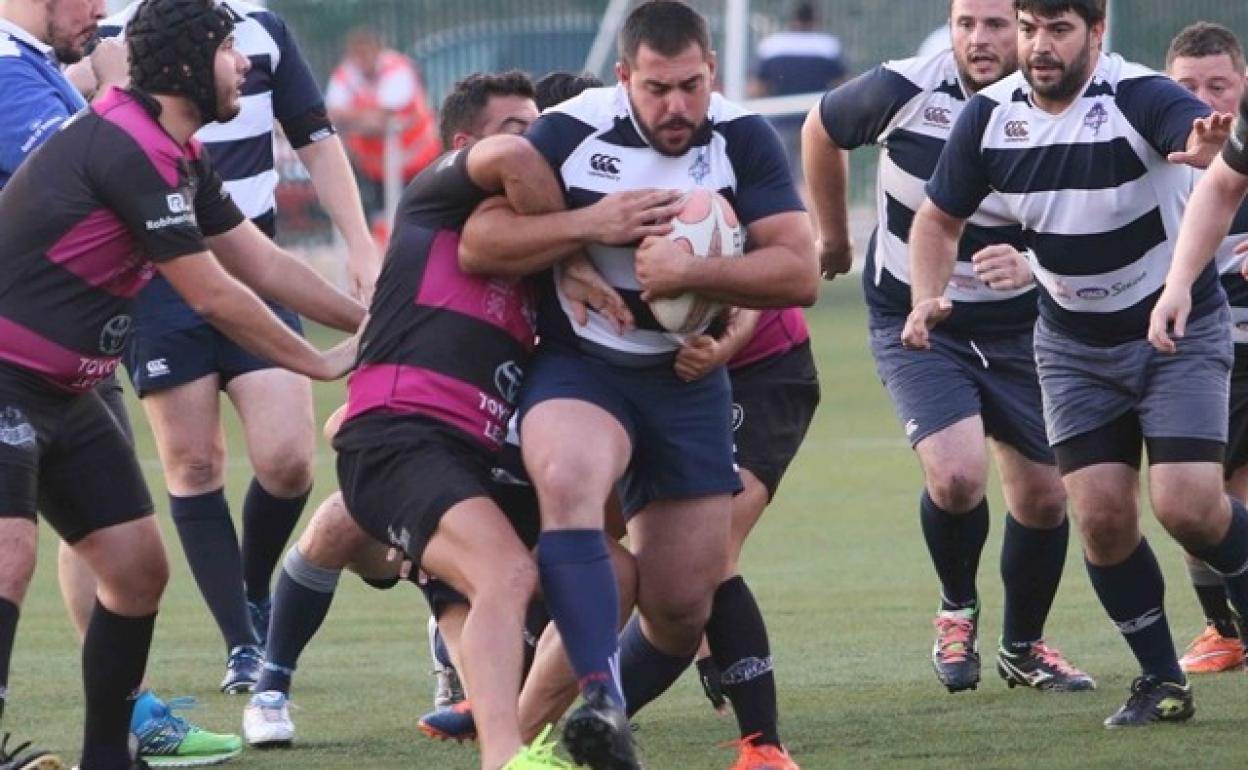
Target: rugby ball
{"type": "Point", "coordinates": [706, 227]}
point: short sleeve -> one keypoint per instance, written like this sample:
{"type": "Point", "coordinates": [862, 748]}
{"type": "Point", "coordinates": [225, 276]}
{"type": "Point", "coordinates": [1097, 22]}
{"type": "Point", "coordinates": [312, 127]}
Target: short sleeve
{"type": "Point", "coordinates": [1235, 153]}
{"type": "Point", "coordinates": [960, 182]}
{"type": "Point", "coordinates": [215, 209]}
{"type": "Point", "coordinates": [764, 180]}
{"type": "Point", "coordinates": [556, 135]}
{"type": "Point", "coordinates": [858, 112]}
{"type": "Point", "coordinates": [1161, 110]}
{"type": "Point", "coordinates": [297, 101]}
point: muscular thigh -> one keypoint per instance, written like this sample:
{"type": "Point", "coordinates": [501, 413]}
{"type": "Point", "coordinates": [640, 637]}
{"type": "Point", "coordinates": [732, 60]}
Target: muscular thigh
{"type": "Point", "coordinates": [186, 422]}
{"type": "Point", "coordinates": [275, 406]}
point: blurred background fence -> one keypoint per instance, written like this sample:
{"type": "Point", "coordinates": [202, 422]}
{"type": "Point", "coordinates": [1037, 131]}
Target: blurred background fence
{"type": "Point", "coordinates": [452, 38]}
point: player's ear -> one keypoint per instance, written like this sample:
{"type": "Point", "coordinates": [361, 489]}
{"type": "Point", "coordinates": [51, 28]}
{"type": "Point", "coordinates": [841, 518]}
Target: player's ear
{"type": "Point", "coordinates": [712, 61]}
{"type": "Point", "coordinates": [622, 71]}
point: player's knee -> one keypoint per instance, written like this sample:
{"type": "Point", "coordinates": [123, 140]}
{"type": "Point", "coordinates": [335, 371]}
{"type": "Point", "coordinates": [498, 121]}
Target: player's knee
{"type": "Point", "coordinates": [511, 579]}
{"type": "Point", "coordinates": [681, 616]}
{"type": "Point", "coordinates": [332, 539]}
{"type": "Point", "coordinates": [140, 584]}
{"type": "Point", "coordinates": [287, 473]}
{"type": "Point", "coordinates": [1198, 523]}
{"type": "Point", "coordinates": [955, 489]}
{"type": "Point", "coordinates": [1109, 537]}
{"type": "Point", "coordinates": [1042, 506]}
{"type": "Point", "coordinates": [195, 472]}
{"type": "Point", "coordinates": [569, 493]}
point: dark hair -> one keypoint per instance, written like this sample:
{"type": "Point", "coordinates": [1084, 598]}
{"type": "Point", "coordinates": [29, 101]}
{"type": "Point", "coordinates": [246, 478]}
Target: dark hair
{"type": "Point", "coordinates": [463, 105]}
{"type": "Point", "coordinates": [667, 26]}
{"type": "Point", "coordinates": [804, 13]}
{"type": "Point", "coordinates": [1203, 39]}
{"type": "Point", "coordinates": [558, 87]}
{"type": "Point", "coordinates": [173, 46]}
{"type": "Point", "coordinates": [1091, 11]}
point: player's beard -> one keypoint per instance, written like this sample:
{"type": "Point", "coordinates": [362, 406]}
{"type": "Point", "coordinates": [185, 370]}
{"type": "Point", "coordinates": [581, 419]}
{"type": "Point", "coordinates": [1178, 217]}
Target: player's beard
{"type": "Point", "coordinates": [64, 42]}
{"type": "Point", "coordinates": [1008, 65]}
{"type": "Point", "coordinates": [651, 135]}
{"type": "Point", "coordinates": [1074, 75]}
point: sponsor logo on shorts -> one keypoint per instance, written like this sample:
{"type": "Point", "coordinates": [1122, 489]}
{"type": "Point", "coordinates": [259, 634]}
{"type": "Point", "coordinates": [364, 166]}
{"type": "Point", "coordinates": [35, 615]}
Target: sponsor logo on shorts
{"type": "Point", "coordinates": [402, 539]}
{"type": "Point", "coordinates": [114, 335]}
{"type": "Point", "coordinates": [15, 429]}
{"type": "Point", "coordinates": [912, 426]}
{"type": "Point", "coordinates": [157, 367]}
{"type": "Point", "coordinates": [738, 417]}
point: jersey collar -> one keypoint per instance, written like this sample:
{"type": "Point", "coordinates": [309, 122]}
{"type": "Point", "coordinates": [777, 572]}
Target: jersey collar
{"type": "Point", "coordinates": [29, 40]}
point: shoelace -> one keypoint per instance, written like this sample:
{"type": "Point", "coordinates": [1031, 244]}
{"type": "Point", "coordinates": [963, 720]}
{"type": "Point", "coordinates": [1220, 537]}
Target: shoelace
{"type": "Point", "coordinates": [954, 633]}
{"type": "Point", "coordinates": [183, 703]}
{"type": "Point", "coordinates": [1052, 657]}
{"type": "Point", "coordinates": [1142, 688]}
{"type": "Point", "coordinates": [543, 749]}
{"type": "Point", "coordinates": [5, 753]}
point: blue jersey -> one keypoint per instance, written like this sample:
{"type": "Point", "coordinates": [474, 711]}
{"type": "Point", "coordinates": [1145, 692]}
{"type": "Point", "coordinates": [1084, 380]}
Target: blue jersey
{"type": "Point", "coordinates": [909, 108]}
{"type": "Point", "coordinates": [280, 88]}
{"type": "Point", "coordinates": [595, 148]}
{"type": "Point", "coordinates": [1099, 203]}
{"type": "Point", "coordinates": [38, 99]}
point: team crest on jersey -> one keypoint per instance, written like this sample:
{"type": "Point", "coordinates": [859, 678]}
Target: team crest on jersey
{"type": "Point", "coordinates": [114, 335]}
{"type": "Point", "coordinates": [938, 117]}
{"type": "Point", "coordinates": [1017, 131]}
{"type": "Point", "coordinates": [700, 169]}
{"type": "Point", "coordinates": [507, 379]}
{"type": "Point", "coordinates": [605, 166]}
{"type": "Point", "coordinates": [1096, 117]}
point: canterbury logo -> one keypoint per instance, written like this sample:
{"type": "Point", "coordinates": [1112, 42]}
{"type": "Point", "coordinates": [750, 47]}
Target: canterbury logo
{"type": "Point", "coordinates": [1142, 622]}
{"type": "Point", "coordinates": [937, 115]}
{"type": "Point", "coordinates": [1016, 129]}
{"type": "Point", "coordinates": [605, 164]}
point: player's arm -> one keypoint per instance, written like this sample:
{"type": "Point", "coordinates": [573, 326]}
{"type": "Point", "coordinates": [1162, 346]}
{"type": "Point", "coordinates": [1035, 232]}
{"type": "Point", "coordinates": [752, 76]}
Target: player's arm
{"type": "Point", "coordinates": [703, 353]}
{"type": "Point", "coordinates": [234, 309]}
{"type": "Point", "coordinates": [280, 276]}
{"type": "Point", "coordinates": [1178, 125]}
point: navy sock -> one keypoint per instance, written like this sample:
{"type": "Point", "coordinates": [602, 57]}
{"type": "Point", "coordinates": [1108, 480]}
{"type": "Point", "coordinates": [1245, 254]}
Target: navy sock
{"type": "Point", "coordinates": [300, 604]}
{"type": "Point", "coordinates": [578, 582]}
{"type": "Point", "coordinates": [211, 546]}
{"type": "Point", "coordinates": [9, 613]}
{"type": "Point", "coordinates": [114, 656]}
{"type": "Point", "coordinates": [737, 637]}
{"type": "Point", "coordinates": [1229, 558]}
{"type": "Point", "coordinates": [955, 542]}
{"type": "Point", "coordinates": [267, 524]}
{"type": "Point", "coordinates": [646, 670]}
{"type": "Point", "coordinates": [1031, 570]}
{"type": "Point", "coordinates": [1133, 593]}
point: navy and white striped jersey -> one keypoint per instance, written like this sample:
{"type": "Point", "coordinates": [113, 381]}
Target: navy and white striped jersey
{"type": "Point", "coordinates": [1099, 203]}
{"type": "Point", "coordinates": [280, 86]}
{"type": "Point", "coordinates": [1229, 263]}
{"type": "Point", "coordinates": [596, 148]}
{"type": "Point", "coordinates": [909, 108]}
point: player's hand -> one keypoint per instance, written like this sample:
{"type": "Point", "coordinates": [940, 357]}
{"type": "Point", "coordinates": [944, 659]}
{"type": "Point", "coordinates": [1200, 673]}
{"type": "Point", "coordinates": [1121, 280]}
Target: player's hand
{"type": "Point", "coordinates": [623, 218]}
{"type": "Point", "coordinates": [110, 61]}
{"type": "Point", "coordinates": [1002, 267]}
{"type": "Point", "coordinates": [1206, 140]}
{"type": "Point", "coordinates": [922, 319]}
{"type": "Point", "coordinates": [363, 267]}
{"type": "Point", "coordinates": [662, 268]}
{"type": "Point", "coordinates": [699, 356]}
{"type": "Point", "coordinates": [1169, 317]}
{"type": "Point", "coordinates": [835, 258]}
{"type": "Point", "coordinates": [340, 359]}
{"type": "Point", "coordinates": [585, 289]}
{"type": "Point", "coordinates": [1242, 248]}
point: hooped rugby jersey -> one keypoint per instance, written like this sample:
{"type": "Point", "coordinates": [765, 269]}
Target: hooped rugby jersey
{"type": "Point", "coordinates": [1235, 153]}
{"type": "Point", "coordinates": [595, 147]}
{"type": "Point", "coordinates": [279, 86]}
{"type": "Point", "coordinates": [1099, 203]}
{"type": "Point", "coordinates": [440, 342]}
{"type": "Point", "coordinates": [909, 107]}
{"type": "Point", "coordinates": [83, 220]}
{"type": "Point", "coordinates": [778, 332]}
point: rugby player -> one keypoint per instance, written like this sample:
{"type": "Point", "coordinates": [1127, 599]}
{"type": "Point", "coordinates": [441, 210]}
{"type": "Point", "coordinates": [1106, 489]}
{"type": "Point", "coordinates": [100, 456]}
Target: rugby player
{"type": "Point", "coordinates": [423, 424]}
{"type": "Point", "coordinates": [1208, 60]}
{"type": "Point", "coordinates": [179, 363]}
{"type": "Point", "coordinates": [978, 379]}
{"type": "Point", "coordinates": [120, 192]}
{"type": "Point", "coordinates": [1088, 151]}
{"type": "Point", "coordinates": [668, 441]}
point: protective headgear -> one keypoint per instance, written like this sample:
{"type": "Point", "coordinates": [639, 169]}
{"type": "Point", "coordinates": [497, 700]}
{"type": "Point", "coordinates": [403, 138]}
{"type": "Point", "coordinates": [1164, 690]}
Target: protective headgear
{"type": "Point", "coordinates": [173, 48]}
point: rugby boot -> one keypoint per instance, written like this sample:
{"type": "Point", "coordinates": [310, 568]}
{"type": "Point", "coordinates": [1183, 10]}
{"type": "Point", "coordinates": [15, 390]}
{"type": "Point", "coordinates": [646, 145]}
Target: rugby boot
{"type": "Point", "coordinates": [1212, 653]}
{"type": "Point", "coordinates": [1153, 700]}
{"type": "Point", "coordinates": [955, 654]}
{"type": "Point", "coordinates": [762, 756]}
{"type": "Point", "coordinates": [1041, 667]}
{"type": "Point", "coordinates": [597, 734]}
{"type": "Point", "coordinates": [167, 740]}
{"type": "Point", "coordinates": [242, 669]}
{"type": "Point", "coordinates": [538, 755]}
{"type": "Point", "coordinates": [23, 757]}
{"type": "Point", "coordinates": [450, 724]}
{"type": "Point", "coordinates": [267, 722]}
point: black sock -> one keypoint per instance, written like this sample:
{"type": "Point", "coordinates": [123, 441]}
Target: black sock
{"type": "Point", "coordinates": [737, 637]}
{"type": "Point", "coordinates": [211, 546]}
{"type": "Point", "coordinates": [267, 524]}
{"type": "Point", "coordinates": [9, 613]}
{"type": "Point", "coordinates": [1217, 610]}
{"type": "Point", "coordinates": [645, 670]}
{"type": "Point", "coordinates": [114, 656]}
{"type": "Point", "coordinates": [1133, 593]}
{"type": "Point", "coordinates": [1031, 570]}
{"type": "Point", "coordinates": [955, 542]}
{"type": "Point", "coordinates": [300, 604]}
{"type": "Point", "coordinates": [1229, 558]}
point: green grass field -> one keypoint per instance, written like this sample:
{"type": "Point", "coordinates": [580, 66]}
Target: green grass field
{"type": "Point", "coordinates": [839, 566]}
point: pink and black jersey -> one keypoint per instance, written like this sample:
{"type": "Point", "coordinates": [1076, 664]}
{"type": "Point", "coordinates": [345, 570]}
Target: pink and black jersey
{"type": "Point", "coordinates": [84, 219]}
{"type": "Point", "coordinates": [439, 342]}
{"type": "Point", "coordinates": [778, 332]}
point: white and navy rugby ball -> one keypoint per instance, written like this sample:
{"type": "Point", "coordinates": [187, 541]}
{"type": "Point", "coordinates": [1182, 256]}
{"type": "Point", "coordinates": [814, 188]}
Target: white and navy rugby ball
{"type": "Point", "coordinates": [708, 228]}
